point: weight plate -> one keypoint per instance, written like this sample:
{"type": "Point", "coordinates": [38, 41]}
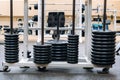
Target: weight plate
{"type": "Point", "coordinates": [103, 43]}
{"type": "Point", "coordinates": [103, 50]}
{"type": "Point", "coordinates": [42, 62]}
{"type": "Point", "coordinates": [104, 33]}
{"type": "Point", "coordinates": [103, 46]}
{"type": "Point", "coordinates": [103, 39]}
{"type": "Point", "coordinates": [103, 63]}
{"type": "Point", "coordinates": [103, 56]}
{"type": "Point", "coordinates": [72, 62]}
{"type": "Point", "coordinates": [102, 53]}
{"type": "Point", "coordinates": [103, 36]}
{"type": "Point", "coordinates": [103, 60]}
{"type": "Point", "coordinates": [11, 61]}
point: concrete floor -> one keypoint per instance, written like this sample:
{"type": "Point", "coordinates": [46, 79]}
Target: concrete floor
{"type": "Point", "coordinates": [17, 73]}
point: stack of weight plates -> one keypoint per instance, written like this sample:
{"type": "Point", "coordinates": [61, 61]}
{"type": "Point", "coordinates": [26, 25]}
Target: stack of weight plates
{"type": "Point", "coordinates": [103, 48]}
{"type": "Point", "coordinates": [58, 50]}
{"type": "Point", "coordinates": [72, 50]}
{"type": "Point", "coordinates": [42, 54]}
{"type": "Point", "coordinates": [11, 48]}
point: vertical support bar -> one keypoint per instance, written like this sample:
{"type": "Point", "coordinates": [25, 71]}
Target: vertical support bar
{"type": "Point", "coordinates": [25, 28]}
{"type": "Point", "coordinates": [11, 16]}
{"type": "Point", "coordinates": [104, 14]}
{"type": "Point", "coordinates": [42, 32]}
{"type": "Point", "coordinates": [88, 30]}
{"type": "Point", "coordinates": [115, 26]}
{"type": "Point", "coordinates": [73, 18]}
{"type": "Point", "coordinates": [80, 20]}
{"type": "Point", "coordinates": [39, 19]}
{"type": "Point", "coordinates": [58, 25]}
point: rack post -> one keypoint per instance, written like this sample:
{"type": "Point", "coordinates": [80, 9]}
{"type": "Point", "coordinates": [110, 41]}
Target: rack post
{"type": "Point", "coordinates": [25, 28]}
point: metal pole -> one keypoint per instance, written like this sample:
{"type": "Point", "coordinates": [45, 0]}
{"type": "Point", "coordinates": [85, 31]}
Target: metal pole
{"type": "Point", "coordinates": [73, 18]}
{"type": "Point", "coordinates": [39, 19]}
{"type": "Point", "coordinates": [104, 14]}
{"type": "Point", "coordinates": [115, 27]}
{"type": "Point", "coordinates": [88, 29]}
{"type": "Point", "coordinates": [25, 28]}
{"type": "Point", "coordinates": [80, 20]}
{"type": "Point", "coordinates": [11, 16]}
{"type": "Point", "coordinates": [42, 32]}
{"type": "Point", "coordinates": [58, 24]}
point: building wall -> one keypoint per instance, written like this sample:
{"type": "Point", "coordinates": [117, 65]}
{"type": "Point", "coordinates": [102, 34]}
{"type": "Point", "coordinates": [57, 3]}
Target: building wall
{"type": "Point", "coordinates": [19, 8]}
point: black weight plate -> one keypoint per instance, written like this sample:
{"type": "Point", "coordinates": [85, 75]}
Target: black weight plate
{"type": "Point", "coordinates": [41, 59]}
{"type": "Point", "coordinates": [104, 33]}
{"type": "Point", "coordinates": [73, 51]}
{"type": "Point", "coordinates": [103, 60]}
{"type": "Point", "coordinates": [72, 54]}
{"type": "Point", "coordinates": [103, 46]}
{"type": "Point", "coordinates": [37, 54]}
{"type": "Point", "coordinates": [39, 47]}
{"type": "Point", "coordinates": [11, 35]}
{"type": "Point", "coordinates": [103, 50]}
{"type": "Point", "coordinates": [59, 49]}
{"type": "Point", "coordinates": [59, 52]}
{"type": "Point", "coordinates": [15, 50]}
{"type": "Point", "coordinates": [73, 42]}
{"type": "Point", "coordinates": [41, 51]}
{"type": "Point", "coordinates": [59, 46]}
{"type": "Point", "coordinates": [103, 39]}
{"type": "Point", "coordinates": [72, 62]}
{"type": "Point", "coordinates": [72, 48]}
{"type": "Point", "coordinates": [102, 53]}
{"type": "Point", "coordinates": [102, 56]}
{"type": "Point", "coordinates": [59, 43]}
{"type": "Point", "coordinates": [41, 62]}
{"type": "Point", "coordinates": [10, 55]}
{"type": "Point", "coordinates": [35, 49]}
{"type": "Point", "coordinates": [103, 36]}
{"type": "Point", "coordinates": [59, 56]}
{"type": "Point", "coordinates": [73, 35]}
{"type": "Point", "coordinates": [11, 48]}
{"type": "Point", "coordinates": [103, 63]}
{"type": "Point", "coordinates": [44, 57]}
{"type": "Point", "coordinates": [11, 61]}
{"type": "Point", "coordinates": [103, 43]}
{"type": "Point", "coordinates": [12, 40]}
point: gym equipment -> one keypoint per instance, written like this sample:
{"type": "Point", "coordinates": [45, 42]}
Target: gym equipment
{"type": "Point", "coordinates": [58, 50]}
{"type": "Point", "coordinates": [103, 48]}
{"type": "Point", "coordinates": [84, 60]}
{"type": "Point", "coordinates": [35, 18]}
{"type": "Point", "coordinates": [103, 45]}
{"type": "Point", "coordinates": [42, 52]}
{"type": "Point", "coordinates": [11, 41]}
{"type": "Point", "coordinates": [73, 41]}
{"type": "Point", "coordinates": [59, 47]}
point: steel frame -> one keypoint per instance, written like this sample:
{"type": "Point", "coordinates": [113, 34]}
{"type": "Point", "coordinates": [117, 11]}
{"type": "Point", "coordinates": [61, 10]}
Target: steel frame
{"type": "Point", "coordinates": [87, 61]}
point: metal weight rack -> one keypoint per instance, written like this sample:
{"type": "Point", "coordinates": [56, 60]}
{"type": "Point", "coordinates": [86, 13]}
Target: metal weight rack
{"type": "Point", "coordinates": [84, 62]}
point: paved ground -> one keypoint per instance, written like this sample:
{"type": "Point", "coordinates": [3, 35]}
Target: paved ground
{"type": "Point", "coordinates": [57, 73]}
